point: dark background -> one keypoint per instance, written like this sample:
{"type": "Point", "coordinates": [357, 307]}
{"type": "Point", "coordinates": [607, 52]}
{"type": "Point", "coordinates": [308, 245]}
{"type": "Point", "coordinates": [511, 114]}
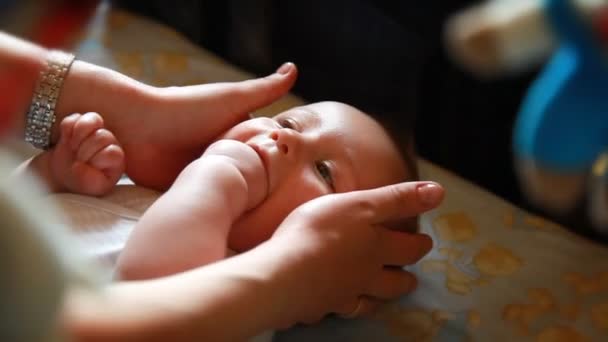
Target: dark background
{"type": "Point", "coordinates": [384, 57]}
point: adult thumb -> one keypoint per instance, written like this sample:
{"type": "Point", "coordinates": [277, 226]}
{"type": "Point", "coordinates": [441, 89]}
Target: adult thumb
{"type": "Point", "coordinates": [250, 95]}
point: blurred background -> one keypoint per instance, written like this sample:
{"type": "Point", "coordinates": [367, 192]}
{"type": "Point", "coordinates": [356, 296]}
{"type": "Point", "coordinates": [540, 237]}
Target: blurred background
{"type": "Point", "coordinates": [385, 57]}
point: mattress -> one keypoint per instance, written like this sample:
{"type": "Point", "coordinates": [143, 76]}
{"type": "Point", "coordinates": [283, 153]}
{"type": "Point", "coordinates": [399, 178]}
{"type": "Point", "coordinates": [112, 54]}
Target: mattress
{"type": "Point", "coordinates": [496, 273]}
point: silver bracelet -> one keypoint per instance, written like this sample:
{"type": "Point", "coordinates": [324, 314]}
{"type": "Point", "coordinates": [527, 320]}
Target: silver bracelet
{"type": "Point", "coordinates": [41, 115]}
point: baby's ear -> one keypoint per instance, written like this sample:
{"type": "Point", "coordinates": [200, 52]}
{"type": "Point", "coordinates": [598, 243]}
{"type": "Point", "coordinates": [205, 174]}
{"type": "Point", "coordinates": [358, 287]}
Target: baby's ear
{"type": "Point", "coordinates": [409, 225]}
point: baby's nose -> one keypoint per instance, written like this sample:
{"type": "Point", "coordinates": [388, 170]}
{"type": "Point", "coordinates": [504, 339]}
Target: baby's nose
{"type": "Point", "coordinates": [286, 140]}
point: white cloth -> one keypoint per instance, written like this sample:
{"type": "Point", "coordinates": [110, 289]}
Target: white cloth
{"type": "Point", "coordinates": [102, 225]}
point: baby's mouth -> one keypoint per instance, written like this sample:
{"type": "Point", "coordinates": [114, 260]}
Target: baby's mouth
{"type": "Point", "coordinates": [264, 155]}
{"type": "Point", "coordinates": [261, 153]}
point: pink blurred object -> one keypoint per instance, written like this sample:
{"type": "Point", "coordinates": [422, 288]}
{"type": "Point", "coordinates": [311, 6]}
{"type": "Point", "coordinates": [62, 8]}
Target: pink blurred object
{"type": "Point", "coordinates": [57, 27]}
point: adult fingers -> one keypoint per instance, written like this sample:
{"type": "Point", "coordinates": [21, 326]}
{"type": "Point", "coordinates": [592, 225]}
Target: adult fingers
{"type": "Point", "coordinates": [407, 224]}
{"type": "Point", "coordinates": [368, 305]}
{"type": "Point", "coordinates": [394, 202]}
{"type": "Point", "coordinates": [392, 283]}
{"type": "Point", "coordinates": [247, 96]}
{"type": "Point", "coordinates": [401, 248]}
{"type": "Point", "coordinates": [360, 307]}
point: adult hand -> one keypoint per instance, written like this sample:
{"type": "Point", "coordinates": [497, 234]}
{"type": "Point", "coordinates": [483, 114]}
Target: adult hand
{"type": "Point", "coordinates": [340, 256]}
{"type": "Point", "coordinates": [163, 129]}
{"type": "Point", "coordinates": [326, 255]}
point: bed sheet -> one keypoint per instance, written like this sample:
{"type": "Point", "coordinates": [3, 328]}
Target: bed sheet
{"type": "Point", "coordinates": [496, 272]}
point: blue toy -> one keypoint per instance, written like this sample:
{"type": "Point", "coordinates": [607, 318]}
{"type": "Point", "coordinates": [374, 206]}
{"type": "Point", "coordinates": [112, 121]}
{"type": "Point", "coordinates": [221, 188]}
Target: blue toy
{"type": "Point", "coordinates": [563, 124]}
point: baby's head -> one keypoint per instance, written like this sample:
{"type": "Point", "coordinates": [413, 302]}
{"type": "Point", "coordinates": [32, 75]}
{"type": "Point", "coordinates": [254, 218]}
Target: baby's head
{"type": "Point", "coordinates": [311, 151]}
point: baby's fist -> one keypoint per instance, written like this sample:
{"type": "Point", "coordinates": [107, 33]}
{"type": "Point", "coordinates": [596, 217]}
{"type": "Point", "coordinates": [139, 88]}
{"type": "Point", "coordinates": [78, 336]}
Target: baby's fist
{"type": "Point", "coordinates": [248, 163]}
{"type": "Point", "coordinates": [87, 158]}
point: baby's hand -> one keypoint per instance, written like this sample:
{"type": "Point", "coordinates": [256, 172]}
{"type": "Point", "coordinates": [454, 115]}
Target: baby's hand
{"type": "Point", "coordinates": [249, 164]}
{"type": "Point", "coordinates": [87, 158]}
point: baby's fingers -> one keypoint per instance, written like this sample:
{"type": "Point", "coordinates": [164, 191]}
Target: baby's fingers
{"type": "Point", "coordinates": [62, 152]}
{"type": "Point", "coordinates": [86, 125]}
{"type": "Point", "coordinates": [88, 180]}
{"type": "Point", "coordinates": [111, 161]}
{"type": "Point", "coordinates": [66, 128]}
{"type": "Point", "coordinates": [99, 175]}
{"type": "Point", "coordinates": [94, 143]}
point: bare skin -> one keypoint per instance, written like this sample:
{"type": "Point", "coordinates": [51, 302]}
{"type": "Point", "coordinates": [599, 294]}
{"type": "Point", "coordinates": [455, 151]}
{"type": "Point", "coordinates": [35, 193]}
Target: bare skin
{"type": "Point", "coordinates": [336, 245]}
{"type": "Point", "coordinates": [180, 122]}
{"type": "Point", "coordinates": [86, 160]}
{"type": "Point", "coordinates": [236, 195]}
{"type": "Point", "coordinates": [325, 257]}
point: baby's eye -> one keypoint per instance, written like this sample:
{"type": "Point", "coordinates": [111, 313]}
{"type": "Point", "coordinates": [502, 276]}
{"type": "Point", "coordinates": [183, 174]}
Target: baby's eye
{"type": "Point", "coordinates": [288, 123]}
{"type": "Point", "coordinates": [324, 170]}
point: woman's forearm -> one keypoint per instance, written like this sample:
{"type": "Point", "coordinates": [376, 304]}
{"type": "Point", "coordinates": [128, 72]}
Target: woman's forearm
{"type": "Point", "coordinates": [231, 300]}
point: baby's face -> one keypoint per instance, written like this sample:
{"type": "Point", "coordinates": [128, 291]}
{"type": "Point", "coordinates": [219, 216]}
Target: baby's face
{"type": "Point", "coordinates": [308, 152]}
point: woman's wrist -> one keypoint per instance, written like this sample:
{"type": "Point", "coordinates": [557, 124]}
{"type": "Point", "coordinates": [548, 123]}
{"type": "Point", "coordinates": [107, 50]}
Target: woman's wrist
{"type": "Point", "coordinates": [283, 271]}
{"type": "Point", "coordinates": [256, 289]}
{"type": "Point", "coordinates": [91, 88]}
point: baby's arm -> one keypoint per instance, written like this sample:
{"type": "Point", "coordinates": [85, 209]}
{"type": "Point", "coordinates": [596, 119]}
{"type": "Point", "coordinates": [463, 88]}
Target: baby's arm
{"type": "Point", "coordinates": [86, 160]}
{"type": "Point", "coordinates": [188, 226]}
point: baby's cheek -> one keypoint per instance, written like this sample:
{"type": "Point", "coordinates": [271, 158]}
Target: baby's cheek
{"type": "Point", "coordinates": [258, 224]}
{"type": "Point", "coordinates": [296, 188]}
{"type": "Point", "coordinates": [292, 193]}
{"type": "Point", "coordinates": [307, 188]}
{"type": "Point", "coordinates": [311, 186]}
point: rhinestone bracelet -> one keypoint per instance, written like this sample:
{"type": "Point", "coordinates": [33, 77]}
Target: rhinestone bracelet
{"type": "Point", "coordinates": [41, 115]}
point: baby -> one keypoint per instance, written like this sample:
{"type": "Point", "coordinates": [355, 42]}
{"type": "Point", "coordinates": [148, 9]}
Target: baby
{"type": "Point", "coordinates": [237, 193]}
